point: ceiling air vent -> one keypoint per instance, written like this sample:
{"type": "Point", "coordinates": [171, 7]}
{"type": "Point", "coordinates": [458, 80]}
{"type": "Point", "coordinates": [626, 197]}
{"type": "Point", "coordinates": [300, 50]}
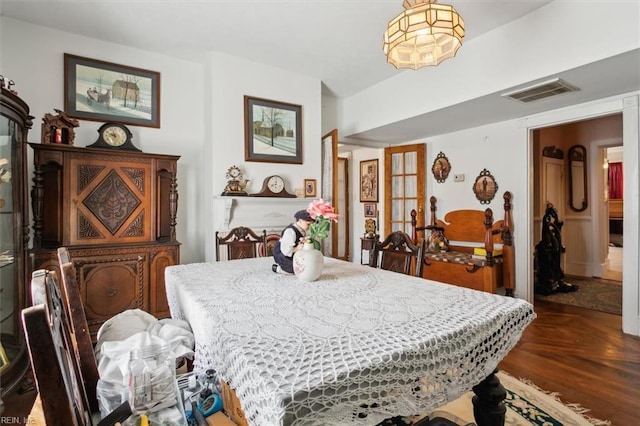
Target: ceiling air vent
{"type": "Point", "coordinates": [540, 91]}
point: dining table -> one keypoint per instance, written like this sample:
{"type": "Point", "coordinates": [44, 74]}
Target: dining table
{"type": "Point", "coordinates": [357, 346]}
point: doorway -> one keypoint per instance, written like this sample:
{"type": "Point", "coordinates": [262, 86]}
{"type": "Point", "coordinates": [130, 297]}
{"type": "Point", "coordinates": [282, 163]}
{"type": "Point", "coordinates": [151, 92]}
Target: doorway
{"type": "Point", "coordinates": [614, 173]}
{"type": "Point", "coordinates": [585, 230]}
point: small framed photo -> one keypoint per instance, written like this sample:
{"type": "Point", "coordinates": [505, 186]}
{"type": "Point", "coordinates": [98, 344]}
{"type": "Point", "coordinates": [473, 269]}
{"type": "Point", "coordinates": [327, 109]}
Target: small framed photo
{"type": "Point", "coordinates": [485, 187]}
{"type": "Point", "coordinates": [370, 210]}
{"type": "Point", "coordinates": [309, 188]}
{"type": "Point", "coordinates": [441, 168]}
{"type": "Point", "coordinates": [369, 181]}
{"type": "Point", "coordinates": [272, 131]}
{"type": "Point", "coordinates": [103, 91]}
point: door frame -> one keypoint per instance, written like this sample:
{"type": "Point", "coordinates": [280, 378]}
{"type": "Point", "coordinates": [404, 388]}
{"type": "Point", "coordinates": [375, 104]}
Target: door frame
{"type": "Point", "coordinates": [420, 149]}
{"type": "Point", "coordinates": [330, 138]}
{"type": "Point", "coordinates": [628, 105]}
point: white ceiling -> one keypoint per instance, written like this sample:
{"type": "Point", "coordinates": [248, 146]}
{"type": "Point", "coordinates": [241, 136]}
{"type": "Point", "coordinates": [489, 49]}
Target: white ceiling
{"type": "Point", "coordinates": [336, 41]}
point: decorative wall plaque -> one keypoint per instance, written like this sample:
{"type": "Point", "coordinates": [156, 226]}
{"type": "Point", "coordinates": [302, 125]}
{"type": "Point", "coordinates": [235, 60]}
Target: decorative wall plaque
{"type": "Point", "coordinates": [485, 187]}
{"type": "Point", "coordinates": [441, 168]}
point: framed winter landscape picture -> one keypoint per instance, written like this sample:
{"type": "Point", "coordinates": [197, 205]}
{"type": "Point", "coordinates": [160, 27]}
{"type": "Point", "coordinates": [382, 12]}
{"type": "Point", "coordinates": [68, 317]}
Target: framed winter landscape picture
{"type": "Point", "coordinates": [272, 131]}
{"type": "Point", "coordinates": [103, 91]}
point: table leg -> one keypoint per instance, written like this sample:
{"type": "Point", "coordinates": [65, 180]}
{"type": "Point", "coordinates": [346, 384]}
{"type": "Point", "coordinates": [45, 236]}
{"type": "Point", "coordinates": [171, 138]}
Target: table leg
{"type": "Point", "coordinates": [488, 402]}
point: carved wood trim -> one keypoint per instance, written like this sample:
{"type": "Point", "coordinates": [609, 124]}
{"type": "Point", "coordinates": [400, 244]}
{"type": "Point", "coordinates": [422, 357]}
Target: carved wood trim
{"type": "Point", "coordinates": [86, 174]}
{"type": "Point", "coordinates": [137, 176]}
{"type": "Point", "coordinates": [136, 227]}
{"type": "Point", "coordinates": [86, 230]}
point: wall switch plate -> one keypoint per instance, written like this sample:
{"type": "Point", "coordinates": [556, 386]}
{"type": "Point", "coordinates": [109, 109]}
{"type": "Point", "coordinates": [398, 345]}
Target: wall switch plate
{"type": "Point", "coordinates": [458, 178]}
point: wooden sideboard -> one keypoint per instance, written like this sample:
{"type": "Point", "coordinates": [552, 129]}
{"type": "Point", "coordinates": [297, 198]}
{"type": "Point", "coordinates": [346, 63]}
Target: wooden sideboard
{"type": "Point", "coordinates": [116, 213]}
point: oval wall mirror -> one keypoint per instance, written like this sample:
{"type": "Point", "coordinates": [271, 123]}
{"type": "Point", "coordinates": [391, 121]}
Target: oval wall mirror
{"type": "Point", "coordinates": [578, 178]}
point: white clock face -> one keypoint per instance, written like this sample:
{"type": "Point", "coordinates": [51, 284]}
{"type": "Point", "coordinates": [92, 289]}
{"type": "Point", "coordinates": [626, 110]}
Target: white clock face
{"type": "Point", "coordinates": [234, 172]}
{"type": "Point", "coordinates": [114, 136]}
{"type": "Point", "coordinates": [275, 184]}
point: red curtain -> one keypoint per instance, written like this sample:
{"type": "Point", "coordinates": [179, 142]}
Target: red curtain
{"type": "Point", "coordinates": [615, 181]}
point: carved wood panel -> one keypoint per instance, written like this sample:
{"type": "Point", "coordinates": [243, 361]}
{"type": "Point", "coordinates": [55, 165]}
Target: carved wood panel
{"type": "Point", "coordinates": [110, 203]}
{"type": "Point", "coordinates": [114, 279]}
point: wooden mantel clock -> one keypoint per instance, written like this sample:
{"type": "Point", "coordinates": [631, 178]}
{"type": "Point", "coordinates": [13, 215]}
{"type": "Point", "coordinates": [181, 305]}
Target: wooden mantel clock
{"type": "Point", "coordinates": [273, 186]}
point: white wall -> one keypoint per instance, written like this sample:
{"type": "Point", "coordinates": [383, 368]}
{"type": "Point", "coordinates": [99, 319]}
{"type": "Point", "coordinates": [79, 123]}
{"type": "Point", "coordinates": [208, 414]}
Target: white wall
{"type": "Point", "coordinates": [499, 148]}
{"type": "Point", "coordinates": [202, 115]}
{"type": "Point", "coordinates": [357, 208]}
{"type": "Point", "coordinates": [33, 58]}
{"type": "Point", "coordinates": [231, 79]}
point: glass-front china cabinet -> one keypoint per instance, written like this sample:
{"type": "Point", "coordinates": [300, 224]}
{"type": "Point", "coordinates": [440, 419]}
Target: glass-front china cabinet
{"type": "Point", "coordinates": [14, 236]}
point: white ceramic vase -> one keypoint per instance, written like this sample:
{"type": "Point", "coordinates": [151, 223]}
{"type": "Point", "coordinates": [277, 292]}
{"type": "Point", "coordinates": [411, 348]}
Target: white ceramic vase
{"type": "Point", "coordinates": [308, 263]}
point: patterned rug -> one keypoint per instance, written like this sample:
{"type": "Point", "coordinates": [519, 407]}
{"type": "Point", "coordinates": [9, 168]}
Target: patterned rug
{"type": "Point", "coordinates": [527, 405]}
{"type": "Point", "coordinates": [594, 293]}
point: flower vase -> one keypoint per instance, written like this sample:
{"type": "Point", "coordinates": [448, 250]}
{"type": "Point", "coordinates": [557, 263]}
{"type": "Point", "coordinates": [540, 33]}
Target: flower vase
{"type": "Point", "coordinates": [308, 263]}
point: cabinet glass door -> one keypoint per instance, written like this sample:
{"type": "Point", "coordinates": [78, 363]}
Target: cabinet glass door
{"type": "Point", "coordinates": [14, 122]}
{"type": "Point", "coordinates": [8, 314]}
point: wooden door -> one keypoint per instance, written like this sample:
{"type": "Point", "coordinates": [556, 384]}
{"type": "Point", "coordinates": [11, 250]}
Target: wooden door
{"type": "Point", "coordinates": [329, 183]}
{"type": "Point", "coordinates": [342, 227]}
{"type": "Point", "coordinates": [404, 187]}
{"type": "Point", "coordinates": [553, 185]}
{"type": "Point", "coordinates": [553, 191]}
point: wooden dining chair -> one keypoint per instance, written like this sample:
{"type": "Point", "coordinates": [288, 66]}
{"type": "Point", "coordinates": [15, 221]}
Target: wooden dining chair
{"type": "Point", "coordinates": [267, 249]}
{"type": "Point", "coordinates": [54, 359]}
{"type": "Point", "coordinates": [241, 243]}
{"type": "Point", "coordinates": [398, 253]}
{"type": "Point", "coordinates": [78, 326]}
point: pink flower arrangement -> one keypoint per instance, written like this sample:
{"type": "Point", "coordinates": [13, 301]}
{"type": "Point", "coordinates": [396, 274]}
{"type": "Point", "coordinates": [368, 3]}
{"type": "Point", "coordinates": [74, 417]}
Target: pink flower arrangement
{"type": "Point", "coordinates": [322, 214]}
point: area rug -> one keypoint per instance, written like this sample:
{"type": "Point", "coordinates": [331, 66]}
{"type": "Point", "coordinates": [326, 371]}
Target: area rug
{"type": "Point", "coordinates": [594, 293]}
{"type": "Point", "coordinates": [527, 405]}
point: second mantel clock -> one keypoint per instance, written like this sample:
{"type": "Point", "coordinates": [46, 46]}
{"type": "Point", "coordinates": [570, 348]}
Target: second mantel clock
{"type": "Point", "coordinates": [274, 186]}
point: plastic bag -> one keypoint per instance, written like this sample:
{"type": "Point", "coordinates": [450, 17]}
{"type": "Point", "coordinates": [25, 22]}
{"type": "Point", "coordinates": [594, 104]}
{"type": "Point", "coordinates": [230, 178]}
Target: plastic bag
{"type": "Point", "coordinates": [153, 389]}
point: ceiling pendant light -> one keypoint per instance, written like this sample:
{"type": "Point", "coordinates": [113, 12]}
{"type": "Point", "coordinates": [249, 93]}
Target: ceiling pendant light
{"type": "Point", "coordinates": [425, 34]}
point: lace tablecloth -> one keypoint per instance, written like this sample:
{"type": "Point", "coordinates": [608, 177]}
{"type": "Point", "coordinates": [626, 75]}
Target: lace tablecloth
{"type": "Point", "coordinates": [355, 347]}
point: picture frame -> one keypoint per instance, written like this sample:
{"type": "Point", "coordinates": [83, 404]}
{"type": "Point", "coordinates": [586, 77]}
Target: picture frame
{"type": "Point", "coordinates": [272, 131]}
{"type": "Point", "coordinates": [97, 90]}
{"type": "Point", "coordinates": [309, 188]}
{"type": "Point", "coordinates": [441, 168]}
{"type": "Point", "coordinates": [485, 187]}
{"type": "Point", "coordinates": [370, 210]}
{"type": "Point", "coordinates": [369, 181]}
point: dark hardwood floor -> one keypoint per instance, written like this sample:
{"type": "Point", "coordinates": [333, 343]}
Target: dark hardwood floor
{"type": "Point", "coordinates": [579, 353]}
{"type": "Point", "coordinates": [584, 356]}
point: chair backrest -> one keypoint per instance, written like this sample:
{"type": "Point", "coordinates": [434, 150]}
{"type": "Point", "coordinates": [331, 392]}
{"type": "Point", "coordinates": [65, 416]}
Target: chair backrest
{"type": "Point", "coordinates": [398, 253]}
{"type": "Point", "coordinates": [266, 250]}
{"type": "Point", "coordinates": [241, 243]}
{"type": "Point", "coordinates": [78, 327]}
{"type": "Point", "coordinates": [54, 360]}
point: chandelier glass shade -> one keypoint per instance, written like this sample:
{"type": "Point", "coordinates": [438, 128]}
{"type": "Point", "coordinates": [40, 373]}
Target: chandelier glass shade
{"type": "Point", "coordinates": [425, 34]}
